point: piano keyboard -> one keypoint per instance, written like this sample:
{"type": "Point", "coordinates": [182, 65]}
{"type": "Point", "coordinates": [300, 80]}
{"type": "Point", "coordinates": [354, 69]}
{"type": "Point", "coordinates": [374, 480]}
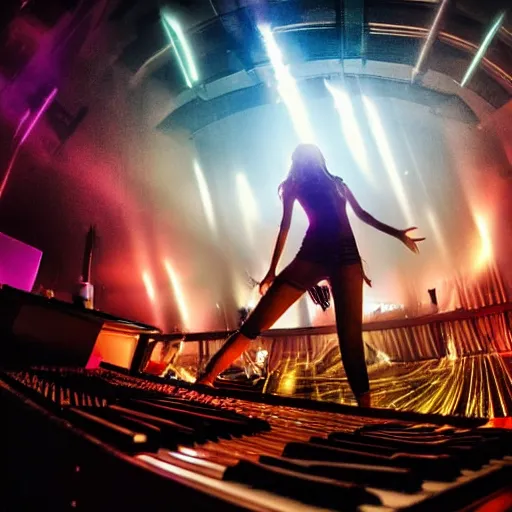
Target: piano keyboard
{"type": "Point", "coordinates": [257, 453]}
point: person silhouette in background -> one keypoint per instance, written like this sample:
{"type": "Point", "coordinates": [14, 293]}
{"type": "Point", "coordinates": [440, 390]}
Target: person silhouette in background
{"type": "Point", "coordinates": [328, 251]}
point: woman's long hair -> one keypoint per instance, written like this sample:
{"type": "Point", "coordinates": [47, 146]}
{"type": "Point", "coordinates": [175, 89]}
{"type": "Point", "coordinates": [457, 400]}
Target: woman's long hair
{"type": "Point", "coordinates": [308, 167]}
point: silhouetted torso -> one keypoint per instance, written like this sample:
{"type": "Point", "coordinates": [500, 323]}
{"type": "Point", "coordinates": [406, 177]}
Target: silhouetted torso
{"type": "Point", "coordinates": [329, 238]}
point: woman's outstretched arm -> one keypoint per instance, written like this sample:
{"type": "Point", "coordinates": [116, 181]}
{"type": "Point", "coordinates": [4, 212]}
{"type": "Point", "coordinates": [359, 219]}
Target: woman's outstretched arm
{"type": "Point", "coordinates": [288, 199]}
{"type": "Point", "coordinates": [401, 234]}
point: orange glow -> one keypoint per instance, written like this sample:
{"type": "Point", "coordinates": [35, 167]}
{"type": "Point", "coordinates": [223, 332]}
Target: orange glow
{"type": "Point", "coordinates": [150, 289]}
{"type": "Point", "coordinates": [486, 252]}
{"type": "Point", "coordinates": [116, 347]}
{"type": "Point", "coordinates": [178, 294]}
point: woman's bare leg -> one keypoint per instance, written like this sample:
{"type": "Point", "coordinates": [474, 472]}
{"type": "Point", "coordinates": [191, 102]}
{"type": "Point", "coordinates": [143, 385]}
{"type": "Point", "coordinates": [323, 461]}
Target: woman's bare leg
{"type": "Point", "coordinates": [279, 297]}
{"type": "Point", "coordinates": [347, 292]}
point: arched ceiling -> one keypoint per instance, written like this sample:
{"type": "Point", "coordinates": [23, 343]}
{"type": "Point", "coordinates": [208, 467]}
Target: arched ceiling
{"type": "Point", "coordinates": [347, 39]}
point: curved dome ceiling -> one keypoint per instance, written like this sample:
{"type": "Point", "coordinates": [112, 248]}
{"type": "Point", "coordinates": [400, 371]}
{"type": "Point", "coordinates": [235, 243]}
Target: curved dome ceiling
{"type": "Point", "coordinates": [378, 42]}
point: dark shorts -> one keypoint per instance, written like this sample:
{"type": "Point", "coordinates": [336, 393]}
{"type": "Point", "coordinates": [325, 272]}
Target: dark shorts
{"type": "Point", "coordinates": [304, 274]}
{"type": "Point", "coordinates": [329, 249]}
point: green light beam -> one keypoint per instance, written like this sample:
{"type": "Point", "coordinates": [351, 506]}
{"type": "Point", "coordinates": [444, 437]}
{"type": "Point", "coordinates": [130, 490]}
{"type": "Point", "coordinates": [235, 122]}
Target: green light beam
{"type": "Point", "coordinates": [180, 60]}
{"type": "Point", "coordinates": [483, 48]}
{"type": "Point", "coordinates": [185, 47]}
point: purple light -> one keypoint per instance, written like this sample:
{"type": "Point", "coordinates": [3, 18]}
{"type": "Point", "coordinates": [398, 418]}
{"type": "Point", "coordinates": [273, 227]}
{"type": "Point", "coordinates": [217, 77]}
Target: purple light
{"type": "Point", "coordinates": [25, 116]}
{"type": "Point", "coordinates": [31, 126]}
{"type": "Point", "coordinates": [43, 108]}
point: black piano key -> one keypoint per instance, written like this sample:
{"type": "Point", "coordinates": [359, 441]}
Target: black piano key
{"type": "Point", "coordinates": [398, 426]}
{"type": "Point", "coordinates": [500, 437]}
{"type": "Point", "coordinates": [466, 452]}
{"type": "Point", "coordinates": [190, 424]}
{"type": "Point", "coordinates": [493, 432]}
{"type": "Point", "coordinates": [469, 457]}
{"type": "Point", "coordinates": [121, 437]}
{"type": "Point", "coordinates": [255, 424]}
{"type": "Point", "coordinates": [414, 436]}
{"type": "Point", "coordinates": [353, 444]}
{"type": "Point", "coordinates": [457, 447]}
{"type": "Point", "coordinates": [440, 467]}
{"type": "Point", "coordinates": [395, 479]}
{"type": "Point", "coordinates": [221, 427]}
{"type": "Point", "coordinates": [313, 490]}
{"type": "Point", "coordinates": [466, 493]}
{"type": "Point", "coordinates": [490, 442]}
{"type": "Point", "coordinates": [444, 468]}
{"type": "Point", "coordinates": [153, 432]}
{"type": "Point", "coordinates": [172, 433]}
{"type": "Point", "coordinates": [438, 440]}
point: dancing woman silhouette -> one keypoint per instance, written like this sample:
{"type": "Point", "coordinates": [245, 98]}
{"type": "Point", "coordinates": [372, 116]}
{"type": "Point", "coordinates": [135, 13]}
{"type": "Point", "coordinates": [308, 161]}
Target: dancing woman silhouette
{"type": "Point", "coordinates": [328, 251]}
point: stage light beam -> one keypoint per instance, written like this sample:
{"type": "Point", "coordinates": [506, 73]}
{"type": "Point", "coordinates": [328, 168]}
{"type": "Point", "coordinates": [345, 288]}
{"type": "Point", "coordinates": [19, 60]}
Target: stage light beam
{"type": "Point", "coordinates": [148, 284]}
{"type": "Point", "coordinates": [379, 134]}
{"type": "Point", "coordinates": [206, 197]}
{"type": "Point", "coordinates": [483, 48]}
{"type": "Point", "coordinates": [248, 205]}
{"type": "Point", "coordinates": [438, 235]}
{"type": "Point", "coordinates": [44, 107]}
{"type": "Point", "coordinates": [185, 59]}
{"type": "Point", "coordinates": [287, 87]}
{"type": "Point", "coordinates": [178, 294]}
{"type": "Point", "coordinates": [350, 128]}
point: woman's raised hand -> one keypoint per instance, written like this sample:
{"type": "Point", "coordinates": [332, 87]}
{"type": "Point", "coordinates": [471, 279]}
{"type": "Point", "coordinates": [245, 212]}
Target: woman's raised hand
{"type": "Point", "coordinates": [267, 281]}
{"type": "Point", "coordinates": [411, 243]}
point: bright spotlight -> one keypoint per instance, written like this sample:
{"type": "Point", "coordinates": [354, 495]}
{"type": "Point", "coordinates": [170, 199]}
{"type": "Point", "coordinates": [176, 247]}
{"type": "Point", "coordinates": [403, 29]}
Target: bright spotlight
{"type": "Point", "coordinates": [287, 87]}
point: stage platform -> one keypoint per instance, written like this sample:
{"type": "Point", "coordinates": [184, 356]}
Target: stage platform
{"type": "Point", "coordinates": [457, 363]}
